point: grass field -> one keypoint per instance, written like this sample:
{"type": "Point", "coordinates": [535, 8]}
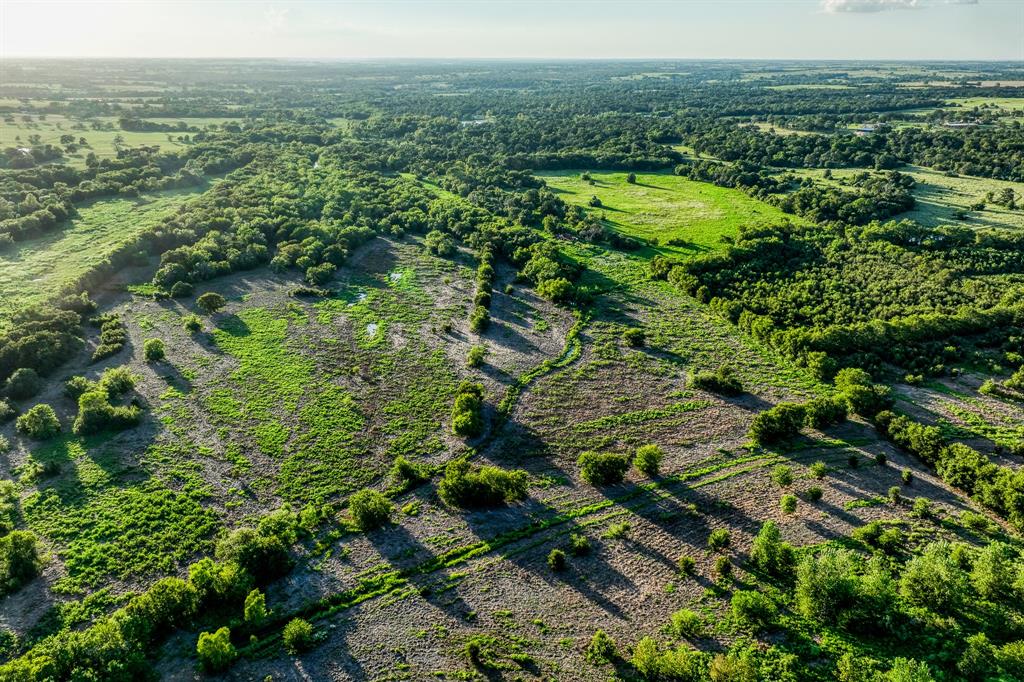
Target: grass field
{"type": "Point", "coordinates": [940, 197]}
{"type": "Point", "coordinates": [35, 269]}
{"type": "Point", "coordinates": [666, 207]}
{"type": "Point", "coordinates": [15, 132]}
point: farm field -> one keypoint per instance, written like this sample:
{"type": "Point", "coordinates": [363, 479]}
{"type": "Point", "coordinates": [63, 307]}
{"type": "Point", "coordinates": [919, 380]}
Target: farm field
{"type": "Point", "coordinates": [666, 208]}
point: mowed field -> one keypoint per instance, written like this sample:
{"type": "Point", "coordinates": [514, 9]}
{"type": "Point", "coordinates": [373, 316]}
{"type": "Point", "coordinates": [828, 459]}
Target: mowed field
{"type": "Point", "coordinates": [684, 216]}
{"type": "Point", "coordinates": [35, 270]}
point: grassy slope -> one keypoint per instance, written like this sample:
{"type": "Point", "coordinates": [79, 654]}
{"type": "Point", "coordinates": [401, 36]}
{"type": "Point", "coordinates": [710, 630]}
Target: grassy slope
{"type": "Point", "coordinates": [666, 207]}
{"type": "Point", "coordinates": [37, 268]}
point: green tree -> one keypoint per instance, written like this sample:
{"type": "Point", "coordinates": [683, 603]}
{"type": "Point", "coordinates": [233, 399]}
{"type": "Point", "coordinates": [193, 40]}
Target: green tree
{"type": "Point", "coordinates": [215, 650]}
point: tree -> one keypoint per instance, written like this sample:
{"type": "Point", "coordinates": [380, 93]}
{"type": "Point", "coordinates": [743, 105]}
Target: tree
{"type": "Point", "coordinates": [769, 553]}
{"type": "Point", "coordinates": [826, 584]}
{"type": "Point", "coordinates": [215, 650]}
{"type": "Point", "coordinates": [934, 580]}
{"type": "Point", "coordinates": [153, 350]}
{"type": "Point", "coordinates": [602, 469]}
{"type": "Point", "coordinates": [211, 302]}
{"type": "Point", "coordinates": [24, 383]}
{"type": "Point", "coordinates": [19, 560]}
{"type": "Point", "coordinates": [297, 636]}
{"type": "Point", "coordinates": [40, 422]}
{"type": "Point", "coordinates": [467, 410]}
{"type": "Point", "coordinates": [370, 509]}
{"type": "Point", "coordinates": [753, 609]}
{"type": "Point", "coordinates": [631, 178]}
{"type": "Point", "coordinates": [255, 609]}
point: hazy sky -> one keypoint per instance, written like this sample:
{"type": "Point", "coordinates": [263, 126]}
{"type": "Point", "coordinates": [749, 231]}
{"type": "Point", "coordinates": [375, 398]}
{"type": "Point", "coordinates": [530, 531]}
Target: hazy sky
{"type": "Point", "coordinates": [841, 29]}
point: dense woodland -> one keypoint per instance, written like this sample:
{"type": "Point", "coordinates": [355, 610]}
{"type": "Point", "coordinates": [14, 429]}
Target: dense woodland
{"type": "Point", "coordinates": [851, 290]}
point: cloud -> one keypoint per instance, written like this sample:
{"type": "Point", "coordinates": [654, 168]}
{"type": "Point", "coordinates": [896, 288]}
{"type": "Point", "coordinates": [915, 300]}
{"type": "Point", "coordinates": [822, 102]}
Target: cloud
{"type": "Point", "coordinates": [275, 20]}
{"type": "Point", "coordinates": [870, 6]}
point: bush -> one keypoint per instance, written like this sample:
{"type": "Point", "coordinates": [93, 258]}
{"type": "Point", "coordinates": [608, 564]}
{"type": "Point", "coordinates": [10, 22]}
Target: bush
{"type": "Point", "coordinates": [5, 445]}
{"type": "Point", "coordinates": [297, 636]}
{"type": "Point", "coordinates": [370, 509]}
{"type": "Point", "coordinates": [255, 610]}
{"type": "Point", "coordinates": [77, 385]}
{"type": "Point", "coordinates": [814, 493]}
{"type": "Point", "coordinates": [723, 567]}
{"type": "Point", "coordinates": [24, 383]}
{"type": "Point", "coordinates": [823, 412]}
{"type": "Point", "coordinates": [769, 553]}
{"type": "Point", "coordinates": [407, 475]}
{"type": "Point", "coordinates": [934, 579]}
{"type": "Point", "coordinates": [819, 470]}
{"type": "Point", "coordinates": [192, 323]}
{"type": "Point", "coordinates": [782, 475]}
{"type": "Point", "coordinates": [719, 539]}
{"type": "Point", "coordinates": [262, 553]}
{"type": "Point", "coordinates": [634, 337]}
{"type": "Point", "coordinates": [788, 504]}
{"type": "Point", "coordinates": [211, 302]}
{"type": "Point", "coordinates": [601, 648]}
{"type": "Point", "coordinates": [7, 411]}
{"type": "Point", "coordinates": [40, 422]}
{"type": "Point", "coordinates": [215, 650]}
{"type": "Point", "coordinates": [894, 495]}
{"type": "Point", "coordinates": [467, 410]}
{"type": "Point", "coordinates": [602, 469]}
{"type": "Point", "coordinates": [466, 486]}
{"type": "Point", "coordinates": [220, 583]}
{"type": "Point", "coordinates": [479, 320]}
{"type": "Point", "coordinates": [826, 584]}
{"type": "Point", "coordinates": [476, 355]}
{"type": "Point", "coordinates": [558, 289]}
{"type": "Point", "coordinates": [753, 609]}
{"type": "Point", "coordinates": [19, 560]}
{"type": "Point", "coordinates": [631, 178]}
{"type": "Point", "coordinates": [556, 560]}
{"type": "Point", "coordinates": [673, 664]}
{"type": "Point", "coordinates": [181, 289]}
{"type": "Point", "coordinates": [686, 623]}
{"type": "Point", "coordinates": [648, 459]}
{"type": "Point", "coordinates": [863, 397]}
{"type": "Point", "coordinates": [153, 350]}
{"type": "Point", "coordinates": [95, 414]}
{"type": "Point", "coordinates": [732, 668]}
{"type": "Point", "coordinates": [722, 381]}
{"type": "Point", "coordinates": [777, 423]}
{"type": "Point", "coordinates": [579, 545]}
{"type": "Point", "coordinates": [687, 565]}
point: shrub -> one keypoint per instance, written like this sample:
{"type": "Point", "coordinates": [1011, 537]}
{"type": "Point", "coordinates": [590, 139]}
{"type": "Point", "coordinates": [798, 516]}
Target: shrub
{"type": "Point", "coordinates": [558, 289]}
{"type": "Point", "coordinates": [601, 648]}
{"type": "Point", "coordinates": [934, 579]}
{"type": "Point", "coordinates": [7, 411]}
{"type": "Point", "coordinates": [826, 584]}
{"type": "Point", "coordinates": [602, 469]}
{"type": "Point", "coordinates": [777, 423]}
{"type": "Point", "coordinates": [909, 670]}
{"type": "Point", "coordinates": [894, 495]}
{"type": "Point", "coordinates": [853, 461]}
{"type": "Point", "coordinates": [672, 664]}
{"type": "Point", "coordinates": [923, 508]}
{"type": "Point", "coordinates": [466, 486]}
{"type": "Point", "coordinates": [634, 337]}
{"type": "Point", "coordinates": [722, 381]}
{"type": "Point", "coordinates": [686, 623]}
{"type": "Point", "coordinates": [687, 565]}
{"type": "Point", "coordinates": [826, 411]}
{"type": "Point", "coordinates": [19, 560]}
{"type": "Point", "coordinates": [631, 178]}
{"type": "Point", "coordinates": [782, 475]}
{"type": "Point", "coordinates": [814, 493]}
{"type": "Point", "coordinates": [95, 414]}
{"type": "Point", "coordinates": [863, 397]}
{"type": "Point", "coordinates": [297, 636]}
{"type": "Point", "coordinates": [578, 544]}
{"type": "Point", "coordinates": [556, 560]}
{"type": "Point", "coordinates": [153, 350]}
{"type": "Point", "coordinates": [994, 572]}
{"type": "Point", "coordinates": [215, 650]}
{"type": "Point", "coordinates": [881, 459]}
{"type": "Point", "coordinates": [24, 383]}
{"type": "Point", "coordinates": [220, 583]}
{"type": "Point", "coordinates": [467, 410]}
{"type": "Point", "coordinates": [255, 609]}
{"type": "Point", "coordinates": [40, 422]}
{"type": "Point", "coordinates": [5, 445]}
{"type": "Point", "coordinates": [719, 539]}
{"type": "Point", "coordinates": [370, 509]}
{"type": "Point", "coordinates": [407, 475]}
{"type": "Point", "coordinates": [262, 553]}
{"type": "Point", "coordinates": [753, 609]}
{"type": "Point", "coordinates": [723, 567]}
{"type": "Point", "coordinates": [648, 459]}
{"type": "Point", "coordinates": [192, 323]}
{"type": "Point", "coordinates": [211, 302]}
{"type": "Point", "coordinates": [788, 504]}
{"type": "Point", "coordinates": [819, 470]}
{"type": "Point", "coordinates": [769, 553]}
{"type": "Point", "coordinates": [732, 668]}
{"type": "Point", "coordinates": [77, 385]}
{"type": "Point", "coordinates": [476, 355]}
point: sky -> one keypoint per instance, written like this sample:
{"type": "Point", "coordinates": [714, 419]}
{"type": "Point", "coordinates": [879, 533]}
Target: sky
{"type": "Point", "coordinates": [537, 29]}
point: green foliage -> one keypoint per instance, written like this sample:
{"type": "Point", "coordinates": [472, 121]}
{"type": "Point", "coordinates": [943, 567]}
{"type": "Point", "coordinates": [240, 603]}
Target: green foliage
{"type": "Point", "coordinates": [192, 323]}
{"type": "Point", "coordinates": [76, 386]}
{"type": "Point", "coordinates": [722, 381]}
{"type": "Point", "coordinates": [602, 468]}
{"type": "Point", "coordinates": [825, 411]}
{"type": "Point", "coordinates": [370, 509]}
{"type": "Point", "coordinates": [475, 356]}
{"type": "Point", "coordinates": [687, 565]}
{"type": "Point", "coordinates": [407, 475]}
{"type": "Point", "coordinates": [39, 422]}
{"type": "Point", "coordinates": [579, 545]}
{"type": "Point", "coordinates": [153, 350]}
{"type": "Point", "coordinates": [19, 560]}
{"type": "Point", "coordinates": [467, 411]}
{"type": "Point", "coordinates": [723, 567]}
{"type": "Point", "coordinates": [634, 337]}
{"type": "Point", "coordinates": [464, 485]}
{"type": "Point", "coordinates": [648, 459]}
{"type": "Point", "coordinates": [220, 583]}
{"type": "Point", "coordinates": [556, 560]}
{"type": "Point", "coordinates": [863, 397]}
{"type": "Point", "coordinates": [215, 650]}
{"type": "Point", "coordinates": [262, 552]}
{"type": "Point", "coordinates": [788, 503]}
{"type": "Point", "coordinates": [769, 553]}
{"type": "Point", "coordinates": [24, 383]}
{"type": "Point", "coordinates": [753, 609]}
{"type": "Point", "coordinates": [601, 648]}
{"type": "Point", "coordinates": [297, 636]}
{"type": "Point", "coordinates": [719, 539]}
{"type": "Point", "coordinates": [934, 579]}
{"type": "Point", "coordinates": [7, 411]}
{"type": "Point", "coordinates": [782, 475]}
{"type": "Point", "coordinates": [686, 623]}
{"type": "Point", "coordinates": [211, 302]}
{"type": "Point", "coordinates": [656, 664]}
{"type": "Point", "coordinates": [95, 414]}
{"type": "Point", "coordinates": [818, 470]}
{"type": "Point", "coordinates": [826, 584]}
{"type": "Point", "coordinates": [557, 289]}
{"type": "Point", "coordinates": [778, 423]}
